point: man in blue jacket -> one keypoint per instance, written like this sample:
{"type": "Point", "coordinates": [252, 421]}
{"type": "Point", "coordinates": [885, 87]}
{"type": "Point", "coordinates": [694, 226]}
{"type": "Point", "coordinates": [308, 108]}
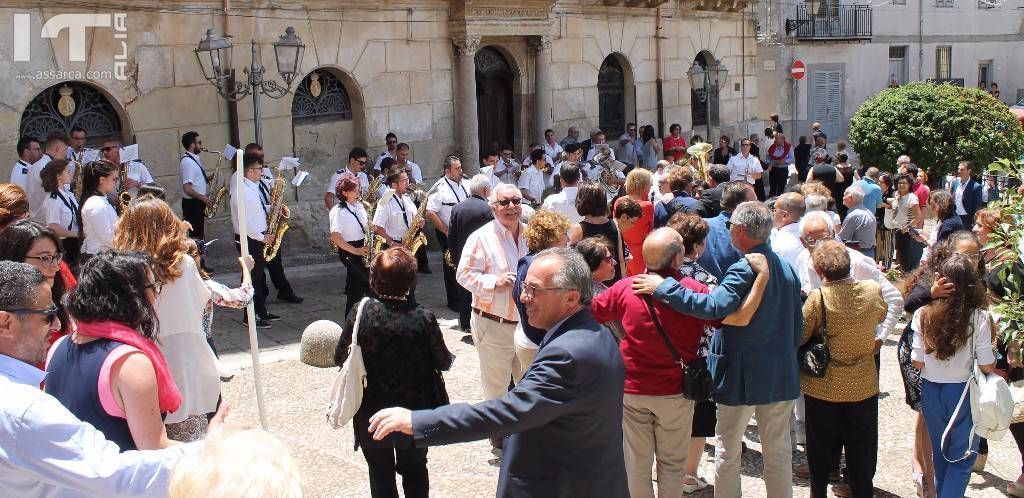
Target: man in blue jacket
{"type": "Point", "coordinates": [719, 251]}
{"type": "Point", "coordinates": [967, 194]}
{"type": "Point", "coordinates": [564, 416]}
{"type": "Point", "coordinates": [754, 368]}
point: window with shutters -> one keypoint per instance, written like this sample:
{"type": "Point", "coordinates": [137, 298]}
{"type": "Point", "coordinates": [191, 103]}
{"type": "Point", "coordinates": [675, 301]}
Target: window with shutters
{"type": "Point", "coordinates": [827, 100]}
{"type": "Point", "coordinates": [943, 62]}
{"type": "Point", "coordinates": [898, 67]}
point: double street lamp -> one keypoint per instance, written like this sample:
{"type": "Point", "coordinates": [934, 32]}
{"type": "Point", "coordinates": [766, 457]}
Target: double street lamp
{"type": "Point", "coordinates": [214, 54]}
{"type": "Point", "coordinates": [704, 81]}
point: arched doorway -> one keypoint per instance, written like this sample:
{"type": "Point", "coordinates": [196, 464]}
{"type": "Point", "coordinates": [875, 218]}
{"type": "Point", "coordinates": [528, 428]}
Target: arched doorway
{"type": "Point", "coordinates": [698, 111]}
{"type": "Point", "coordinates": [322, 118]}
{"type": "Point", "coordinates": [611, 97]}
{"type": "Point", "coordinates": [72, 104]}
{"type": "Point", "coordinates": [494, 104]}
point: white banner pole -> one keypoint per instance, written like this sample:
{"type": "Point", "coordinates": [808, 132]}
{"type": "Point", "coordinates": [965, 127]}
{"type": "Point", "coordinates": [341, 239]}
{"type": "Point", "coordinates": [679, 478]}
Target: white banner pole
{"type": "Point", "coordinates": [250, 310]}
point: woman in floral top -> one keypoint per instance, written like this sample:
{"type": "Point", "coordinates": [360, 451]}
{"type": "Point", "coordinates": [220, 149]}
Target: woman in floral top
{"type": "Point", "coordinates": [694, 229]}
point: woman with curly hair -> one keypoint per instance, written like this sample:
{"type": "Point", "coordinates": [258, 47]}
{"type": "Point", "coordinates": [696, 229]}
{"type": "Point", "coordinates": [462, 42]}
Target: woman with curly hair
{"type": "Point", "coordinates": [13, 204]}
{"type": "Point", "coordinates": [109, 372]}
{"type": "Point", "coordinates": [546, 229]}
{"type": "Point", "coordinates": [949, 333]}
{"type": "Point", "coordinates": [149, 226]}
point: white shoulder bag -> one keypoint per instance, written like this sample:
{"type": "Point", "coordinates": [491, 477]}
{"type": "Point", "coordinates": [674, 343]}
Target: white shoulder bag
{"type": "Point", "coordinates": [347, 391]}
{"type": "Point", "coordinates": [991, 405]}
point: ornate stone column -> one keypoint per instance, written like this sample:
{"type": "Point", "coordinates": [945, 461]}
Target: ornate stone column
{"type": "Point", "coordinates": [541, 48]}
{"type": "Point", "coordinates": [465, 101]}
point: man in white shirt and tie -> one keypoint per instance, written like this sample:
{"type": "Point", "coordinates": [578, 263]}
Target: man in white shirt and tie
{"type": "Point", "coordinates": [395, 211]}
{"type": "Point", "coordinates": [357, 159]}
{"type": "Point", "coordinates": [193, 185]}
{"type": "Point", "coordinates": [551, 147]}
{"type": "Point", "coordinates": [450, 190]}
{"type": "Point", "coordinates": [564, 202]}
{"type": "Point", "coordinates": [745, 166]}
{"type": "Point", "coordinates": [44, 449]}
{"type": "Point", "coordinates": [256, 236]}
{"type": "Point", "coordinates": [29, 152]}
{"type": "Point", "coordinates": [56, 148]}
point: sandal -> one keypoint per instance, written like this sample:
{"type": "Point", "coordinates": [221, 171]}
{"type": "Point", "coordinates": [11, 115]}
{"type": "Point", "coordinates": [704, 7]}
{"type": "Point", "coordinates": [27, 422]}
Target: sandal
{"type": "Point", "coordinates": [698, 484]}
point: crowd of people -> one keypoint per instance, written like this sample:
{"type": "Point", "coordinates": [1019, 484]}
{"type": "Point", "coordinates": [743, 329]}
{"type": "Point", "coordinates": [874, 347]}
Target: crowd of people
{"type": "Point", "coordinates": [627, 302]}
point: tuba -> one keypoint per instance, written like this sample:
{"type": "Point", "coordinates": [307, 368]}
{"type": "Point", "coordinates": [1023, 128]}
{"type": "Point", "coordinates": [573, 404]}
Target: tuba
{"type": "Point", "coordinates": [603, 160]}
{"type": "Point", "coordinates": [220, 192]}
{"type": "Point", "coordinates": [414, 238]}
{"type": "Point", "coordinates": [277, 220]}
{"type": "Point", "coordinates": [700, 151]}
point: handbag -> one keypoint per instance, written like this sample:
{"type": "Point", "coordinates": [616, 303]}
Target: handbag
{"type": "Point", "coordinates": [347, 391]}
{"type": "Point", "coordinates": [814, 356]}
{"type": "Point", "coordinates": [697, 382]}
{"type": "Point", "coordinates": [991, 402]}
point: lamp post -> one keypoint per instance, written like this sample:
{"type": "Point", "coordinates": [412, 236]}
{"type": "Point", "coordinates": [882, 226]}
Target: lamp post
{"type": "Point", "coordinates": [704, 81]}
{"type": "Point", "coordinates": [214, 54]}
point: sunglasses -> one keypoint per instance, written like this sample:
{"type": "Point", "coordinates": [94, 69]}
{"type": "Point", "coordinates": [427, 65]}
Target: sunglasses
{"type": "Point", "coordinates": [505, 202]}
{"type": "Point", "coordinates": [108, 148]}
{"type": "Point", "coordinates": [48, 259]}
{"type": "Point", "coordinates": [49, 313]}
{"type": "Point", "coordinates": [362, 162]}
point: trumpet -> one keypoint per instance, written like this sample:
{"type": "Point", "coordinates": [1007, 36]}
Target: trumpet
{"type": "Point", "coordinates": [220, 192]}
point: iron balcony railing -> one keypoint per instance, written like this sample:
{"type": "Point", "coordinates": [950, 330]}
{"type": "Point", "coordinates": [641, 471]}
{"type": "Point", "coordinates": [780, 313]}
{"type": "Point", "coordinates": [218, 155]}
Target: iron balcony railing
{"type": "Point", "coordinates": [834, 22]}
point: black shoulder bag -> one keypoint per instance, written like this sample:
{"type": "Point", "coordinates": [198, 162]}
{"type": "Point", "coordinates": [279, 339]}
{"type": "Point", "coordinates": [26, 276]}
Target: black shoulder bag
{"type": "Point", "coordinates": [697, 383]}
{"type": "Point", "coordinates": [814, 355]}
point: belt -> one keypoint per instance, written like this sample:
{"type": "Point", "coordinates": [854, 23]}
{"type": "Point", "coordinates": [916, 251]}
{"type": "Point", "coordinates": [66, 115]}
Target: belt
{"type": "Point", "coordinates": [493, 317]}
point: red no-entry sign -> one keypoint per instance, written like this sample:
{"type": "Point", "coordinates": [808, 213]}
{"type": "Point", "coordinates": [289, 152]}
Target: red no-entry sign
{"type": "Point", "coordinates": [798, 70]}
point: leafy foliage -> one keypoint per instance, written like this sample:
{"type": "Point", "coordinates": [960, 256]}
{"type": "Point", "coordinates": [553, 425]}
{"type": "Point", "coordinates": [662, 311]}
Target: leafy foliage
{"type": "Point", "coordinates": [937, 125]}
{"type": "Point", "coordinates": [1007, 241]}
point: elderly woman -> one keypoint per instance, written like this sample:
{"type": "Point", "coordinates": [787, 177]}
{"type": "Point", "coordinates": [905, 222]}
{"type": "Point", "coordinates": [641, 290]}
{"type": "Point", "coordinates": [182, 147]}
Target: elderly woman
{"type": "Point", "coordinates": [546, 229]}
{"type": "Point", "coordinates": [60, 208]}
{"type": "Point", "coordinates": [349, 224]}
{"type": "Point", "coordinates": [597, 252]}
{"type": "Point", "coordinates": [404, 352]}
{"type": "Point", "coordinates": [842, 406]}
{"type": "Point", "coordinates": [638, 186]}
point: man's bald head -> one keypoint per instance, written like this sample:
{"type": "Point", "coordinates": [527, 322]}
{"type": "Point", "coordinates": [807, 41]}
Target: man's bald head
{"type": "Point", "coordinates": [661, 248]}
{"type": "Point", "coordinates": [872, 173]}
{"type": "Point", "coordinates": [815, 225]}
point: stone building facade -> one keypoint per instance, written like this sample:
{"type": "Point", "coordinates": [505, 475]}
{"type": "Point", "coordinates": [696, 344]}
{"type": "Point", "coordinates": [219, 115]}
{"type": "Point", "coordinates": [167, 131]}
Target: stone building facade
{"type": "Point", "coordinates": [445, 76]}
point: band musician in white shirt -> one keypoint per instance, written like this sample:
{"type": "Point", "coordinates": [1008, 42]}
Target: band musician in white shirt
{"type": "Point", "coordinates": [446, 193]}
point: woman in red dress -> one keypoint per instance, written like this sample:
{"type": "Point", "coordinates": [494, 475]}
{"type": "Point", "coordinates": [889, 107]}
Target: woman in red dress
{"type": "Point", "coordinates": [675, 144]}
{"type": "Point", "coordinates": [634, 230]}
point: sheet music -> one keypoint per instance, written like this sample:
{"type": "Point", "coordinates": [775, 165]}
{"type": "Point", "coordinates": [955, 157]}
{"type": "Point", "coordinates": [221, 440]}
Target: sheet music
{"type": "Point", "coordinates": [229, 152]}
{"type": "Point", "coordinates": [90, 155]}
{"type": "Point", "coordinates": [299, 178]}
{"type": "Point", "coordinates": [129, 153]}
{"type": "Point", "coordinates": [288, 163]}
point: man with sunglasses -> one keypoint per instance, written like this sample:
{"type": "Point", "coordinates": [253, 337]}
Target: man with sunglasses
{"type": "Point", "coordinates": [193, 185]}
{"type": "Point", "coordinates": [487, 269]}
{"type": "Point", "coordinates": [44, 449]}
{"type": "Point", "coordinates": [357, 160]}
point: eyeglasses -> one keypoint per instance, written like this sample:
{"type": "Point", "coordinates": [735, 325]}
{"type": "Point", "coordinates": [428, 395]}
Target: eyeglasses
{"type": "Point", "coordinates": [505, 202]}
{"type": "Point", "coordinates": [157, 286]}
{"type": "Point", "coordinates": [529, 290]}
{"type": "Point", "coordinates": [48, 259]}
{"type": "Point", "coordinates": [49, 313]}
{"type": "Point", "coordinates": [362, 162]}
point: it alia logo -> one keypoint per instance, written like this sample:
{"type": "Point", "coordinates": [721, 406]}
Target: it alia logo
{"type": "Point", "coordinates": [76, 24]}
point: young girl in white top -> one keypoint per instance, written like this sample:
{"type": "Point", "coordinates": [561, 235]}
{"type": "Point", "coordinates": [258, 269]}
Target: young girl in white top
{"type": "Point", "coordinates": [60, 208]}
{"type": "Point", "coordinates": [949, 334]}
{"type": "Point", "coordinates": [97, 216]}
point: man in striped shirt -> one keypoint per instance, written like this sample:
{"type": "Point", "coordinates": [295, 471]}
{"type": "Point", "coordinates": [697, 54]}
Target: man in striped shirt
{"type": "Point", "coordinates": [487, 269]}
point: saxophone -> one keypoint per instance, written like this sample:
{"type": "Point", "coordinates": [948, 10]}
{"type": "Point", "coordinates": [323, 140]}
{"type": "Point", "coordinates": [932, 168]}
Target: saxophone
{"type": "Point", "coordinates": [371, 241]}
{"type": "Point", "coordinates": [220, 192]}
{"type": "Point", "coordinates": [79, 172]}
{"type": "Point", "coordinates": [277, 220]}
{"type": "Point", "coordinates": [123, 195]}
{"type": "Point", "coordinates": [414, 238]}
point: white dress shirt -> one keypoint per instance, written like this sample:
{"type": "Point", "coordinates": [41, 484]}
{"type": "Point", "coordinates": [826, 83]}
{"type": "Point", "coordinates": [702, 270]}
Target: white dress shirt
{"type": "Point", "coordinates": [98, 220]}
{"type": "Point", "coordinates": [256, 210]}
{"type": "Point", "coordinates": [553, 150]}
{"type": "Point", "coordinates": [364, 182]}
{"type": "Point", "coordinates": [191, 170]}
{"type": "Point", "coordinates": [137, 171]}
{"type": "Point", "coordinates": [861, 268]}
{"type": "Point", "coordinates": [741, 168]}
{"type": "Point", "coordinates": [34, 188]}
{"type": "Point", "coordinates": [444, 195]}
{"type": "Point", "coordinates": [60, 208]}
{"type": "Point", "coordinates": [564, 202]}
{"type": "Point", "coordinates": [349, 221]}
{"type": "Point", "coordinates": [531, 182]}
{"type": "Point", "coordinates": [394, 214]}
{"type": "Point", "coordinates": [488, 171]}
{"type": "Point", "coordinates": [786, 243]}
{"type": "Point", "coordinates": [958, 198]}
{"type": "Point", "coordinates": [19, 174]}
{"type": "Point", "coordinates": [415, 173]}
{"type": "Point", "coordinates": [47, 452]}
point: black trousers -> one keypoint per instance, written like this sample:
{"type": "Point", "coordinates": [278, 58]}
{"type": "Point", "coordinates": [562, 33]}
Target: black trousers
{"type": "Point", "coordinates": [411, 463]}
{"type": "Point", "coordinates": [194, 212]}
{"type": "Point", "coordinates": [357, 278]}
{"type": "Point", "coordinates": [422, 264]}
{"type": "Point", "coordinates": [852, 427]}
{"type": "Point", "coordinates": [276, 270]}
{"type": "Point", "coordinates": [450, 285]}
{"type": "Point", "coordinates": [759, 189]}
{"type": "Point", "coordinates": [777, 178]}
{"type": "Point", "coordinates": [259, 277]}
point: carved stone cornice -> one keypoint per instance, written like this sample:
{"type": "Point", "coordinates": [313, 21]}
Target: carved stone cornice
{"type": "Point", "coordinates": [649, 4]}
{"type": "Point", "coordinates": [466, 44]}
{"type": "Point", "coordinates": [540, 44]}
{"type": "Point", "coordinates": [714, 5]}
{"type": "Point", "coordinates": [501, 17]}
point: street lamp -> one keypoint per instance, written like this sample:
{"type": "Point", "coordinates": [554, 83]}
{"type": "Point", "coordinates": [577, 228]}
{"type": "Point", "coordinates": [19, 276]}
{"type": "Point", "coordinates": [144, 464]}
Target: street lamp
{"type": "Point", "coordinates": [704, 81]}
{"type": "Point", "coordinates": [214, 55]}
{"type": "Point", "coordinates": [812, 7]}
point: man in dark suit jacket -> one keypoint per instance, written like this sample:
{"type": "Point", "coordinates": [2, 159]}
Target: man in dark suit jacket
{"type": "Point", "coordinates": [467, 216]}
{"type": "Point", "coordinates": [711, 198]}
{"type": "Point", "coordinates": [564, 416]}
{"type": "Point", "coordinates": [970, 200]}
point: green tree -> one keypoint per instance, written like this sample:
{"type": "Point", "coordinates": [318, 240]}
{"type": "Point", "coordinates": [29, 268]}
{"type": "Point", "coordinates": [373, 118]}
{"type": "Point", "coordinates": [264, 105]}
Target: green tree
{"type": "Point", "coordinates": [937, 125]}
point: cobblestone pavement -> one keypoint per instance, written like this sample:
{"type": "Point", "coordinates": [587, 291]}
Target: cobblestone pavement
{"type": "Point", "coordinates": [296, 395]}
